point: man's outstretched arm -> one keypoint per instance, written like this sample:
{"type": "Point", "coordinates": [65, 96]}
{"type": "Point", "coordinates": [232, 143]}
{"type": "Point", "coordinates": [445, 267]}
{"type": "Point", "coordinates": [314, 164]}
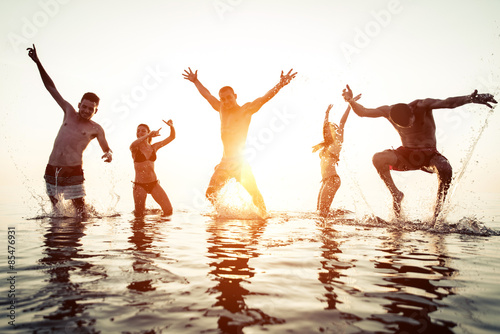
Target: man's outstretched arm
{"type": "Point", "coordinates": [193, 77]}
{"type": "Point", "coordinates": [101, 139]}
{"type": "Point", "coordinates": [284, 80]}
{"type": "Point", "coordinates": [362, 111]}
{"type": "Point", "coordinates": [47, 81]}
{"type": "Point", "coordinates": [458, 101]}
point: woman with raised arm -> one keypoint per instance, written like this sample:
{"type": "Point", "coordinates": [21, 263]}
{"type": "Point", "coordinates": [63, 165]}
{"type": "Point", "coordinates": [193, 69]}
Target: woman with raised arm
{"type": "Point", "coordinates": [333, 138]}
{"type": "Point", "coordinates": [146, 182]}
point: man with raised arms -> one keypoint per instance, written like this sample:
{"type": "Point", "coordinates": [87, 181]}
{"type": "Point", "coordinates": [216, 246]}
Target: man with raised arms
{"type": "Point", "coordinates": [64, 173]}
{"type": "Point", "coordinates": [415, 125]}
{"type": "Point", "coordinates": [235, 120]}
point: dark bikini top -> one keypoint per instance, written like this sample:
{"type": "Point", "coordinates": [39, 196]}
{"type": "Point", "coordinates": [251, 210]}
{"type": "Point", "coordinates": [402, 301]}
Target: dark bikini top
{"type": "Point", "coordinates": [140, 157]}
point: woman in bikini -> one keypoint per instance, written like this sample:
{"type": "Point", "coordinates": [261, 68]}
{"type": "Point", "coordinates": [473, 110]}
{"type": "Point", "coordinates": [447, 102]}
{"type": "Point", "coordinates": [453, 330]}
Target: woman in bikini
{"type": "Point", "coordinates": [144, 155]}
{"type": "Point", "coordinates": [333, 136]}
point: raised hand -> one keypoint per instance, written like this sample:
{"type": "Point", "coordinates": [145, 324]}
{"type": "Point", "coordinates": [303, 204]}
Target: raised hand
{"type": "Point", "coordinates": [32, 54]}
{"type": "Point", "coordinates": [169, 122]}
{"type": "Point", "coordinates": [347, 94]}
{"type": "Point", "coordinates": [155, 133]}
{"type": "Point", "coordinates": [285, 79]}
{"type": "Point", "coordinates": [190, 75]}
{"type": "Point", "coordinates": [329, 108]}
{"type": "Point", "coordinates": [482, 98]}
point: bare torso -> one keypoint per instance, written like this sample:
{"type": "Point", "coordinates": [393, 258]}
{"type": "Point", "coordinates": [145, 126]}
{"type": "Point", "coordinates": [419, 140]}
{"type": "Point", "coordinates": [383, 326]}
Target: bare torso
{"type": "Point", "coordinates": [234, 129]}
{"type": "Point", "coordinates": [422, 134]}
{"type": "Point", "coordinates": [145, 170]}
{"type": "Point", "coordinates": [73, 137]}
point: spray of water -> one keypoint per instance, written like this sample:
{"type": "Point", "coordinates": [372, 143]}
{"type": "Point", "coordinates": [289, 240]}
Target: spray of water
{"type": "Point", "coordinates": [460, 174]}
{"type": "Point", "coordinates": [234, 202]}
{"type": "Point", "coordinates": [354, 182]}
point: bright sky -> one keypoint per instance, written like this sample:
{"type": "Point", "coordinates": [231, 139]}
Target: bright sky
{"type": "Point", "coordinates": [132, 54]}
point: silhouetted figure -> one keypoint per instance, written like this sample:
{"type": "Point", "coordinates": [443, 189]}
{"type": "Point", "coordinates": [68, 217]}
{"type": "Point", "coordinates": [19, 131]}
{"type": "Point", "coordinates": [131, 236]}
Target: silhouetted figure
{"type": "Point", "coordinates": [235, 121]}
{"type": "Point", "coordinates": [64, 173]}
{"type": "Point", "coordinates": [333, 138]}
{"type": "Point", "coordinates": [146, 182]}
{"type": "Point", "coordinates": [415, 125]}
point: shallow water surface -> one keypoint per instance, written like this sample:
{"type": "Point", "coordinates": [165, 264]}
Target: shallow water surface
{"type": "Point", "coordinates": [291, 273]}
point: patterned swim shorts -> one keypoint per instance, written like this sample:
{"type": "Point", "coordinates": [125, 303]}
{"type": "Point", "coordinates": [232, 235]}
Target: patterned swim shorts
{"type": "Point", "coordinates": [66, 181]}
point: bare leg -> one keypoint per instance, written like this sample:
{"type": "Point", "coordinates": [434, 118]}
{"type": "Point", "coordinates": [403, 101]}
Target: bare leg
{"type": "Point", "coordinates": [248, 182]}
{"type": "Point", "coordinates": [139, 200]}
{"type": "Point", "coordinates": [54, 202]}
{"type": "Point", "coordinates": [444, 172]}
{"type": "Point", "coordinates": [382, 161]}
{"type": "Point", "coordinates": [319, 195]}
{"type": "Point", "coordinates": [160, 196]}
{"type": "Point", "coordinates": [79, 204]}
{"type": "Point", "coordinates": [219, 178]}
{"type": "Point", "coordinates": [327, 193]}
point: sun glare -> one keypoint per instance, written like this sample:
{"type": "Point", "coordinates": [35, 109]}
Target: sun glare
{"type": "Point", "coordinates": [235, 202]}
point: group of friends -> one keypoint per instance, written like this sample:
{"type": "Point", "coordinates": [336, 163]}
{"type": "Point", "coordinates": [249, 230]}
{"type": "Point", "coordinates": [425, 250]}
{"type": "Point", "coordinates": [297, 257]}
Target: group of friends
{"type": "Point", "coordinates": [413, 121]}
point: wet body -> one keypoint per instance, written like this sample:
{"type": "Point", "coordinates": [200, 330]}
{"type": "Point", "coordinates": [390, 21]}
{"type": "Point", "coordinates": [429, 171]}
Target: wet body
{"type": "Point", "coordinates": [64, 173]}
{"type": "Point", "coordinates": [146, 182]}
{"type": "Point", "coordinates": [235, 121]}
{"type": "Point", "coordinates": [415, 125]}
{"type": "Point", "coordinates": [333, 138]}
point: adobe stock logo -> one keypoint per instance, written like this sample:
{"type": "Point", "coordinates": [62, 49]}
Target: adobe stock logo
{"type": "Point", "coordinates": [138, 93]}
{"type": "Point", "coordinates": [363, 37]}
{"type": "Point", "coordinates": [278, 123]}
{"type": "Point", "coordinates": [224, 6]}
{"type": "Point", "coordinates": [30, 27]}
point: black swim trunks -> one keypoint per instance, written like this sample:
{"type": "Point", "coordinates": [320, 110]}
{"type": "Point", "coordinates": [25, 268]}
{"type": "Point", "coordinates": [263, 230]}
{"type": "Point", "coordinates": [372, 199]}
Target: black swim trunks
{"type": "Point", "coordinates": [414, 158]}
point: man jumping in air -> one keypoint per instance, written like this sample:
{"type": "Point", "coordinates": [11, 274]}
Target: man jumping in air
{"type": "Point", "coordinates": [415, 125]}
{"type": "Point", "coordinates": [235, 120]}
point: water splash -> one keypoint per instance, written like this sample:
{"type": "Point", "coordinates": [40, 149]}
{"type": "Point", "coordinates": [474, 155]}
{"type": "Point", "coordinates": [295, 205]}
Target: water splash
{"type": "Point", "coordinates": [354, 182]}
{"type": "Point", "coordinates": [234, 202]}
{"type": "Point", "coordinates": [464, 226]}
{"type": "Point", "coordinates": [458, 177]}
{"type": "Point", "coordinates": [66, 209]}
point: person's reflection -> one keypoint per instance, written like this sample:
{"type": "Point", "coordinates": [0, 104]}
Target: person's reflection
{"type": "Point", "coordinates": [63, 259]}
{"type": "Point", "coordinates": [331, 272]}
{"type": "Point", "coordinates": [417, 279]}
{"type": "Point", "coordinates": [142, 238]}
{"type": "Point", "coordinates": [232, 244]}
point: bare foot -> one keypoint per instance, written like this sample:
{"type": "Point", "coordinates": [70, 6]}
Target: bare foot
{"type": "Point", "coordinates": [397, 198]}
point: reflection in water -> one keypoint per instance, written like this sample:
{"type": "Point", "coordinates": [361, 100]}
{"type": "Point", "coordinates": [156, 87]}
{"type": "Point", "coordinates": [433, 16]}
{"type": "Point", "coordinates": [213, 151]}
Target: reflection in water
{"type": "Point", "coordinates": [64, 263]}
{"type": "Point", "coordinates": [232, 244]}
{"type": "Point", "coordinates": [331, 273]}
{"type": "Point", "coordinates": [149, 255]}
{"type": "Point", "coordinates": [240, 276]}
{"type": "Point", "coordinates": [418, 278]}
{"type": "Point", "coordinates": [142, 238]}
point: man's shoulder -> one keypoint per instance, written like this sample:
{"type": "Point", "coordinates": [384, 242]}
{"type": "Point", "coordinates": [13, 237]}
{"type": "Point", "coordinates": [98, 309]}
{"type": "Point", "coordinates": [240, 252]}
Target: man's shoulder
{"type": "Point", "coordinates": [421, 104]}
{"type": "Point", "coordinates": [96, 125]}
{"type": "Point", "coordinates": [89, 125]}
{"type": "Point", "coordinates": [249, 107]}
{"type": "Point", "coordinates": [69, 110]}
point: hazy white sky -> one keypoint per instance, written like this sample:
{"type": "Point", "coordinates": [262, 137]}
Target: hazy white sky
{"type": "Point", "coordinates": [132, 54]}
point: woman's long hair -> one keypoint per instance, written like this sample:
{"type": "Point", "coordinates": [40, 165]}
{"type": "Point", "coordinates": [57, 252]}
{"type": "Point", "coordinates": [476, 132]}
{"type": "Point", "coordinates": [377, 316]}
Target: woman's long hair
{"type": "Point", "coordinates": [147, 127]}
